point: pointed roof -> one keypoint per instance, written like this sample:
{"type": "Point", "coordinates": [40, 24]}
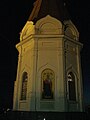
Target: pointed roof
{"type": "Point", "coordinates": [55, 8]}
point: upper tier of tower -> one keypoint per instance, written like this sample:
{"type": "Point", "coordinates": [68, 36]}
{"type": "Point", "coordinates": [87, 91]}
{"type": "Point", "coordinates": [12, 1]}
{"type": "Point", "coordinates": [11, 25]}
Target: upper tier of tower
{"type": "Point", "coordinates": [54, 8]}
{"type": "Point", "coordinates": [49, 17]}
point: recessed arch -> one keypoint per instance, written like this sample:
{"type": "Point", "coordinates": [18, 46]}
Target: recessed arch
{"type": "Point", "coordinates": [70, 30]}
{"type": "Point", "coordinates": [48, 25]}
{"type": "Point", "coordinates": [24, 86]}
{"type": "Point", "coordinates": [47, 83]}
{"type": "Point", "coordinates": [71, 84]}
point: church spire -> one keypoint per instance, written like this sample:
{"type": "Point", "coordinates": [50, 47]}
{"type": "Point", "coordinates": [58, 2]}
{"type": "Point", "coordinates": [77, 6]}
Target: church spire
{"type": "Point", "coordinates": [55, 8]}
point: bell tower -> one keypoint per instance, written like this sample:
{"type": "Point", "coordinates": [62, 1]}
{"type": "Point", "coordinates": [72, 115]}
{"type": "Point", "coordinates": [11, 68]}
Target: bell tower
{"type": "Point", "coordinates": [49, 76]}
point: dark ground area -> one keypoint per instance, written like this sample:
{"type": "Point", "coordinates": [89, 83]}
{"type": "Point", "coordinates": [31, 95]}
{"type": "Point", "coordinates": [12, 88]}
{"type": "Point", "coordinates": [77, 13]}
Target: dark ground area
{"type": "Point", "coordinates": [15, 115]}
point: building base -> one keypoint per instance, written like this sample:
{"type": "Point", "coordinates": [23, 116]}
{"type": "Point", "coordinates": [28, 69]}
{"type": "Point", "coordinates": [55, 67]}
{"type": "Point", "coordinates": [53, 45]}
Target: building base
{"type": "Point", "coordinates": [22, 115]}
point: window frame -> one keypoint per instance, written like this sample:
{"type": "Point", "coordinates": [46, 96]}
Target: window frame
{"type": "Point", "coordinates": [48, 71]}
{"type": "Point", "coordinates": [24, 86]}
{"type": "Point", "coordinates": [71, 85]}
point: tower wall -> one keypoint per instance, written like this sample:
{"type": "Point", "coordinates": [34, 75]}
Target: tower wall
{"type": "Point", "coordinates": [47, 55]}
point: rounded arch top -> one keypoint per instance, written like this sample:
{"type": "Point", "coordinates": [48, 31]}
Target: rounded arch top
{"type": "Point", "coordinates": [70, 30]}
{"type": "Point", "coordinates": [47, 66]}
{"type": "Point", "coordinates": [27, 69]}
{"type": "Point", "coordinates": [46, 72]}
{"type": "Point", "coordinates": [72, 71]}
{"type": "Point", "coordinates": [48, 25]}
{"type": "Point", "coordinates": [24, 75]}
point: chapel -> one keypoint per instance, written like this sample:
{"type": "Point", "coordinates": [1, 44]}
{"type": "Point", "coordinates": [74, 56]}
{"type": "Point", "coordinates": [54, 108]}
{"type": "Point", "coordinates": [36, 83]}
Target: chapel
{"type": "Point", "coordinates": [49, 74]}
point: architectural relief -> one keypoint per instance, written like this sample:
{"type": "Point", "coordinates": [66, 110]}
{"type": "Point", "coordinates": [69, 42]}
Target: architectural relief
{"type": "Point", "coordinates": [49, 45]}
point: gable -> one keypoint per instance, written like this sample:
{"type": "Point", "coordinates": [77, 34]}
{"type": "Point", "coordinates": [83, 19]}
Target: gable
{"type": "Point", "coordinates": [48, 25]}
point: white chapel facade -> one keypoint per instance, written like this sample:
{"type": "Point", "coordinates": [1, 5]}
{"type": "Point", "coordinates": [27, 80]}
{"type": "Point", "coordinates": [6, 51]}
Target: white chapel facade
{"type": "Point", "coordinates": [49, 76]}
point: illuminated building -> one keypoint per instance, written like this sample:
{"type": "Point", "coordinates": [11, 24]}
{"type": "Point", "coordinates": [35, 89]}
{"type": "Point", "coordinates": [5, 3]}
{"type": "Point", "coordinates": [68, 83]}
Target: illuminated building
{"type": "Point", "coordinates": [49, 76]}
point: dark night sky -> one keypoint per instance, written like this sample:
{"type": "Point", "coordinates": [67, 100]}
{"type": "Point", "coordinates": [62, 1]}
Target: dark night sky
{"type": "Point", "coordinates": [13, 16]}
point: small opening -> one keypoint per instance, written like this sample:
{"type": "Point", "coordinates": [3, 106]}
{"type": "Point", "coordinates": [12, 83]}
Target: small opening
{"type": "Point", "coordinates": [24, 86]}
{"type": "Point", "coordinates": [47, 77]}
{"type": "Point", "coordinates": [71, 87]}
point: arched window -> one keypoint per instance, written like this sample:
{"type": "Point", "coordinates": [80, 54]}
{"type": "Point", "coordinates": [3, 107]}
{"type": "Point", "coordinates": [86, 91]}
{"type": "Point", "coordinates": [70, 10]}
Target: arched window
{"type": "Point", "coordinates": [47, 78]}
{"type": "Point", "coordinates": [71, 86]}
{"type": "Point", "coordinates": [24, 86]}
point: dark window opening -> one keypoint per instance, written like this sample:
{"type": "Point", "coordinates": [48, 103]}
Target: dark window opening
{"type": "Point", "coordinates": [71, 87]}
{"type": "Point", "coordinates": [24, 86]}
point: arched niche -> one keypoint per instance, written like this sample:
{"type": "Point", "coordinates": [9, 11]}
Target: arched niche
{"type": "Point", "coordinates": [46, 71]}
{"type": "Point", "coordinates": [70, 30]}
{"type": "Point", "coordinates": [48, 25]}
{"type": "Point", "coordinates": [72, 85]}
{"type": "Point", "coordinates": [47, 83]}
{"type": "Point", "coordinates": [24, 86]}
